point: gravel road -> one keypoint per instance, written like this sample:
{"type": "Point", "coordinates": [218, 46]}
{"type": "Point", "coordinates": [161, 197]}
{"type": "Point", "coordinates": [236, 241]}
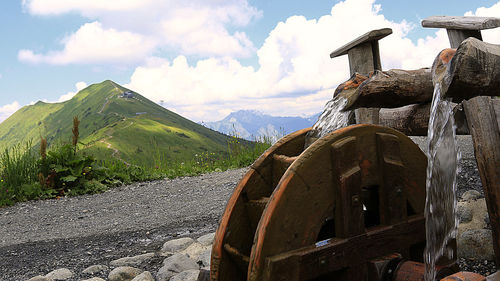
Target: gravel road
{"type": "Point", "coordinates": [39, 236]}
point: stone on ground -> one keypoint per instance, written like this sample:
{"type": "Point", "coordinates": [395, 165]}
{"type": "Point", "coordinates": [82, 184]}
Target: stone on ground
{"type": "Point", "coordinates": [94, 279]}
{"type": "Point", "coordinates": [94, 269]}
{"type": "Point", "coordinates": [174, 265]}
{"type": "Point", "coordinates": [471, 195]}
{"type": "Point", "coordinates": [132, 261]}
{"type": "Point", "coordinates": [188, 275]}
{"type": "Point", "coordinates": [194, 250]}
{"type": "Point", "coordinates": [204, 258]}
{"type": "Point", "coordinates": [476, 244]}
{"type": "Point", "coordinates": [464, 213]}
{"type": "Point", "coordinates": [145, 276]}
{"type": "Point", "coordinates": [207, 239]}
{"type": "Point", "coordinates": [39, 278]}
{"type": "Point", "coordinates": [123, 273]}
{"type": "Point", "coordinates": [176, 245]}
{"type": "Point", "coordinates": [60, 274]}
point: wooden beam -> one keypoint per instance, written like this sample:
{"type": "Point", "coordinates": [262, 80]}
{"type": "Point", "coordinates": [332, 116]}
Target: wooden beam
{"type": "Point", "coordinates": [337, 253]}
{"type": "Point", "coordinates": [473, 71]}
{"type": "Point", "coordinates": [373, 35]}
{"type": "Point", "coordinates": [485, 132]}
{"type": "Point", "coordinates": [364, 57]}
{"type": "Point", "coordinates": [468, 23]}
{"type": "Point", "coordinates": [413, 120]}
{"type": "Point", "coordinates": [390, 89]}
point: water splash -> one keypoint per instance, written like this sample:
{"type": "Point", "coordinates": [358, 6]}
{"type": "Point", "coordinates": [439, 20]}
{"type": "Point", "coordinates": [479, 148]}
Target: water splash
{"type": "Point", "coordinates": [443, 156]}
{"type": "Point", "coordinates": [332, 118]}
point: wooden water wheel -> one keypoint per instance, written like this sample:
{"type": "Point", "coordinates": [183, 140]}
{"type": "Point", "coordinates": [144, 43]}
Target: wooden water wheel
{"type": "Point", "coordinates": [327, 212]}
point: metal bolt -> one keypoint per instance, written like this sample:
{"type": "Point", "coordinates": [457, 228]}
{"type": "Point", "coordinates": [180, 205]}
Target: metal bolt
{"type": "Point", "coordinates": [355, 200]}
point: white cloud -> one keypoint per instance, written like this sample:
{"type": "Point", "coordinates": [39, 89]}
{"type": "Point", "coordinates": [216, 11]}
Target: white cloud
{"type": "Point", "coordinates": [8, 109]}
{"type": "Point", "coordinates": [94, 44]}
{"type": "Point", "coordinates": [295, 74]}
{"type": "Point", "coordinates": [79, 86]}
{"type": "Point", "coordinates": [56, 7]}
{"type": "Point", "coordinates": [130, 30]}
{"type": "Point", "coordinates": [489, 35]}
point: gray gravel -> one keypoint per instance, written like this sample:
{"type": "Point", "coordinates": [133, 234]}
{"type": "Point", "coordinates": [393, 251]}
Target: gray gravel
{"type": "Point", "coordinates": [40, 236]}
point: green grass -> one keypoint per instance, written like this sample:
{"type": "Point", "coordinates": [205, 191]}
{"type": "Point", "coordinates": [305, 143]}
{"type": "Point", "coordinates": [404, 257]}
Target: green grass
{"type": "Point", "coordinates": [115, 146]}
{"type": "Point", "coordinates": [107, 117]}
{"type": "Point", "coordinates": [67, 172]}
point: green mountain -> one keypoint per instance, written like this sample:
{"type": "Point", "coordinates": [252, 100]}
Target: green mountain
{"type": "Point", "coordinates": [114, 122]}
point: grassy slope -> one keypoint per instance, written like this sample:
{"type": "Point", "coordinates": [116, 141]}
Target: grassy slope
{"type": "Point", "coordinates": [110, 123]}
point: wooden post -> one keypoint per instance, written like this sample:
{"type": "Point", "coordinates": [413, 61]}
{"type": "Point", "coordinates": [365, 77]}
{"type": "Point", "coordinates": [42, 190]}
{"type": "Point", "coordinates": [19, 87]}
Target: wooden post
{"type": "Point", "coordinates": [364, 57]}
{"type": "Point", "coordinates": [481, 119]}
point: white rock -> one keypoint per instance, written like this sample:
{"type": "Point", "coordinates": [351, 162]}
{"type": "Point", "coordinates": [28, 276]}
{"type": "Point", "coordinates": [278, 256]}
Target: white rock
{"type": "Point", "coordinates": [123, 273]}
{"type": "Point", "coordinates": [176, 245]}
{"type": "Point", "coordinates": [194, 250]}
{"type": "Point", "coordinates": [206, 239]}
{"type": "Point", "coordinates": [464, 212]}
{"type": "Point", "coordinates": [132, 261]}
{"type": "Point", "coordinates": [174, 265]}
{"type": "Point", "coordinates": [145, 276]}
{"type": "Point", "coordinates": [471, 195]}
{"type": "Point", "coordinates": [39, 278]}
{"type": "Point", "coordinates": [94, 279]}
{"type": "Point", "coordinates": [93, 269]}
{"type": "Point", "coordinates": [188, 275]}
{"type": "Point", "coordinates": [60, 274]}
{"type": "Point", "coordinates": [477, 244]}
{"type": "Point", "coordinates": [204, 259]}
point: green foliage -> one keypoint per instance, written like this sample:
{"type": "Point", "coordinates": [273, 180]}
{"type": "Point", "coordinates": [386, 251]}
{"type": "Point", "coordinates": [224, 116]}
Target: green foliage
{"type": "Point", "coordinates": [109, 124]}
{"type": "Point", "coordinates": [68, 171]}
{"type": "Point", "coordinates": [64, 170]}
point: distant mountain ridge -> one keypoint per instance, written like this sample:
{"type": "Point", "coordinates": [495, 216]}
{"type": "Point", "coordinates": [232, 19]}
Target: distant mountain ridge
{"type": "Point", "coordinates": [251, 124]}
{"type": "Point", "coordinates": [115, 123]}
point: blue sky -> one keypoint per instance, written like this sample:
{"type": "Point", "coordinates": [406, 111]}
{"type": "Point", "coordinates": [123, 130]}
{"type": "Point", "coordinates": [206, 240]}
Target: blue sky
{"type": "Point", "coordinates": [206, 58]}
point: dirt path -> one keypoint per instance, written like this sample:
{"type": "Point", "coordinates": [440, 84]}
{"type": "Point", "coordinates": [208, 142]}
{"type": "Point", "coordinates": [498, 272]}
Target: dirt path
{"type": "Point", "coordinates": [116, 152]}
{"type": "Point", "coordinates": [39, 236]}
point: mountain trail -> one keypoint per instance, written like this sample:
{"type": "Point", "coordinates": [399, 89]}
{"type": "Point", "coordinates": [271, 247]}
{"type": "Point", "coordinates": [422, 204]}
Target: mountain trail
{"type": "Point", "coordinates": [107, 100]}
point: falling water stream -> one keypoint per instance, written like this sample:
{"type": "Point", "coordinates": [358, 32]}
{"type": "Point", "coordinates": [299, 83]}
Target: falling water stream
{"type": "Point", "coordinates": [442, 168]}
{"type": "Point", "coordinates": [332, 118]}
{"type": "Point", "coordinates": [441, 202]}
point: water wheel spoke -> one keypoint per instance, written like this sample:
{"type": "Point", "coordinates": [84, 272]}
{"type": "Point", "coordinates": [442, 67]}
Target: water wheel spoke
{"type": "Point", "coordinates": [237, 257]}
{"type": "Point", "coordinates": [280, 165]}
{"type": "Point", "coordinates": [255, 208]}
{"type": "Point", "coordinates": [341, 254]}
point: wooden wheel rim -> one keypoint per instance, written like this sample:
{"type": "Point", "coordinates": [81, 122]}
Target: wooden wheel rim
{"type": "Point", "coordinates": [311, 190]}
{"type": "Point", "coordinates": [256, 182]}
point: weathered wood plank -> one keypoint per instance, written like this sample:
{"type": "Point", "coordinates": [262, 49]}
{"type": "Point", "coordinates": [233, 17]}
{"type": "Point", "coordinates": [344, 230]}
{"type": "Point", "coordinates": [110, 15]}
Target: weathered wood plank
{"type": "Point", "coordinates": [473, 71]}
{"type": "Point", "coordinates": [373, 35]}
{"type": "Point", "coordinates": [469, 23]}
{"type": "Point", "coordinates": [413, 120]}
{"type": "Point", "coordinates": [338, 253]}
{"type": "Point", "coordinates": [485, 133]}
{"type": "Point", "coordinates": [391, 89]}
{"type": "Point", "coordinates": [456, 35]}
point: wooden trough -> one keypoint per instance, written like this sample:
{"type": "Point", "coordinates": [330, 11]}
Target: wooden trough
{"type": "Point", "coordinates": [348, 207]}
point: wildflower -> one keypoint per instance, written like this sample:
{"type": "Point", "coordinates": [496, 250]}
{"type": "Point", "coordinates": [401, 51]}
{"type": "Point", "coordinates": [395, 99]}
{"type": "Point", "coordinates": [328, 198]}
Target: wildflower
{"type": "Point", "coordinates": [83, 173]}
